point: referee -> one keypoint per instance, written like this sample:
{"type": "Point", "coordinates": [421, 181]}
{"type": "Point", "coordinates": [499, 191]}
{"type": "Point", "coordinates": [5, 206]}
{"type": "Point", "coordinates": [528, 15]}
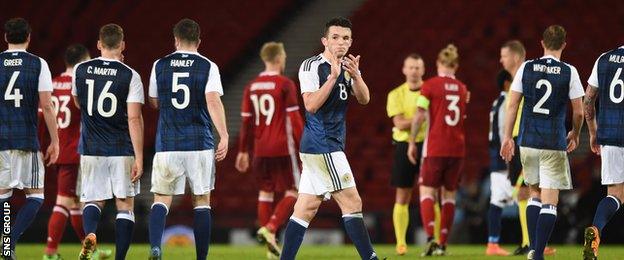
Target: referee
{"type": "Point", "coordinates": [401, 107]}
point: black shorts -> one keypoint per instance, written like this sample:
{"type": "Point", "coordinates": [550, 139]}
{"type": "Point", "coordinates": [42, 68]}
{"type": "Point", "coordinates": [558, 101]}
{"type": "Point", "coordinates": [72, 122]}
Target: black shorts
{"type": "Point", "coordinates": [515, 166]}
{"type": "Point", "coordinates": [403, 171]}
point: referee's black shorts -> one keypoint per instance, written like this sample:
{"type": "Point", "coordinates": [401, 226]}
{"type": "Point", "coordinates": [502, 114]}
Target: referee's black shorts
{"type": "Point", "coordinates": [515, 166]}
{"type": "Point", "coordinates": [403, 171]}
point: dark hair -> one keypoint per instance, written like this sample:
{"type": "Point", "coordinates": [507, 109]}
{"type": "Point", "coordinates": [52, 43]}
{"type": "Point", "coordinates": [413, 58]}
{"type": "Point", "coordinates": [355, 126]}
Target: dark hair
{"type": "Point", "coordinates": [75, 53]}
{"type": "Point", "coordinates": [337, 21]}
{"type": "Point", "coordinates": [516, 47]}
{"type": "Point", "coordinates": [17, 30]}
{"type": "Point", "coordinates": [414, 55]}
{"type": "Point", "coordinates": [554, 37]}
{"type": "Point", "coordinates": [187, 30]}
{"type": "Point", "coordinates": [111, 36]}
{"type": "Point", "coordinates": [502, 77]}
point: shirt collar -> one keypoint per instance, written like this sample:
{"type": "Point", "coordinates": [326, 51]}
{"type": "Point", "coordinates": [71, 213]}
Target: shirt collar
{"type": "Point", "coordinates": [187, 52]}
{"type": "Point", "coordinates": [549, 57]}
{"type": "Point", "coordinates": [106, 59]}
{"type": "Point", "coordinates": [446, 75]}
{"type": "Point", "coordinates": [323, 59]}
{"type": "Point", "coordinates": [269, 73]}
{"type": "Point", "coordinates": [15, 50]}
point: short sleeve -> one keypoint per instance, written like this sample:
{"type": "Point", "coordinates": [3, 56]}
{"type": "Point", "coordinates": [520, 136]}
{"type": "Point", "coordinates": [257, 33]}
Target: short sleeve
{"type": "Point", "coordinates": [593, 78]}
{"type": "Point", "coordinates": [45, 77]}
{"type": "Point", "coordinates": [136, 95]}
{"type": "Point", "coordinates": [74, 92]}
{"type": "Point", "coordinates": [309, 78]}
{"type": "Point", "coordinates": [292, 103]}
{"type": "Point", "coordinates": [214, 80]}
{"type": "Point", "coordinates": [576, 87]}
{"type": "Point", "coordinates": [516, 84]}
{"type": "Point", "coordinates": [153, 86]}
{"type": "Point", "coordinates": [394, 105]}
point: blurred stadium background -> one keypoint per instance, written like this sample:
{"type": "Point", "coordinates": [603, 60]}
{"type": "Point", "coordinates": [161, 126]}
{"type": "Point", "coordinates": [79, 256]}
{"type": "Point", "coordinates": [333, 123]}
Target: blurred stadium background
{"type": "Point", "coordinates": [384, 33]}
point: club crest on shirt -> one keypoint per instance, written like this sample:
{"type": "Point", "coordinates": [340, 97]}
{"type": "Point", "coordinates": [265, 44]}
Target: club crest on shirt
{"type": "Point", "coordinates": [347, 76]}
{"type": "Point", "coordinates": [346, 178]}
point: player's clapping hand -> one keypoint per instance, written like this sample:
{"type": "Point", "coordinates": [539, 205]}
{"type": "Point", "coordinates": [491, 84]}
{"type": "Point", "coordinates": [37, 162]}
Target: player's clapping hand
{"type": "Point", "coordinates": [593, 144]}
{"type": "Point", "coordinates": [412, 152]}
{"type": "Point", "coordinates": [507, 149]}
{"type": "Point", "coordinates": [52, 153]}
{"type": "Point", "coordinates": [222, 149]}
{"type": "Point", "coordinates": [242, 162]}
{"type": "Point", "coordinates": [352, 65]}
{"type": "Point", "coordinates": [573, 140]}
{"type": "Point", "coordinates": [137, 170]}
{"type": "Point", "coordinates": [335, 66]}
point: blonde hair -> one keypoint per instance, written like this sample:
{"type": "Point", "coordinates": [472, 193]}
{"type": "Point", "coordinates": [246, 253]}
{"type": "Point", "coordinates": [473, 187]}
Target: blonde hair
{"type": "Point", "coordinates": [271, 50]}
{"type": "Point", "coordinates": [515, 46]}
{"type": "Point", "coordinates": [449, 56]}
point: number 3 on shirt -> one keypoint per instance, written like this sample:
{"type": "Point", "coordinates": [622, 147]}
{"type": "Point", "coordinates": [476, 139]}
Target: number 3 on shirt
{"type": "Point", "coordinates": [452, 107]}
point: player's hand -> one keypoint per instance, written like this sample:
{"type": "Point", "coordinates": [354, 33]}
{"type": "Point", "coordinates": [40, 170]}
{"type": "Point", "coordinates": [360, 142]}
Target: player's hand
{"type": "Point", "coordinates": [507, 149]}
{"type": "Point", "coordinates": [335, 66]}
{"type": "Point", "coordinates": [52, 153]}
{"type": "Point", "coordinates": [222, 149]}
{"type": "Point", "coordinates": [137, 170]}
{"type": "Point", "coordinates": [593, 144]}
{"type": "Point", "coordinates": [352, 65]}
{"type": "Point", "coordinates": [573, 140]}
{"type": "Point", "coordinates": [412, 153]}
{"type": "Point", "coordinates": [242, 162]}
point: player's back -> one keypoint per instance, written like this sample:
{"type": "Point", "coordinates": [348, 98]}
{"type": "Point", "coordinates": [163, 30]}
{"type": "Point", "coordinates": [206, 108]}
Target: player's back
{"type": "Point", "coordinates": [103, 88]}
{"type": "Point", "coordinates": [182, 79]}
{"type": "Point", "coordinates": [545, 85]}
{"type": "Point", "coordinates": [447, 110]}
{"type": "Point", "coordinates": [20, 76]}
{"type": "Point", "coordinates": [608, 77]}
{"type": "Point", "coordinates": [325, 130]}
{"type": "Point", "coordinates": [268, 99]}
{"type": "Point", "coordinates": [68, 119]}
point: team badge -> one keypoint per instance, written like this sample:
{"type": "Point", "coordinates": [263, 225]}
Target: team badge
{"type": "Point", "coordinates": [347, 76]}
{"type": "Point", "coordinates": [346, 177]}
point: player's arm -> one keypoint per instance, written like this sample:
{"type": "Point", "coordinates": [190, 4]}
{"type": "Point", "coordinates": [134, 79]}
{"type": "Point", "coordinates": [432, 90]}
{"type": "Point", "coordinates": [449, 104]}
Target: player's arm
{"type": "Point", "coordinates": [589, 108]}
{"type": "Point", "coordinates": [313, 96]}
{"type": "Point", "coordinates": [417, 121]}
{"type": "Point", "coordinates": [49, 112]}
{"type": "Point", "coordinates": [576, 96]}
{"type": "Point", "coordinates": [153, 88]}
{"type": "Point", "coordinates": [514, 97]}
{"type": "Point", "coordinates": [401, 122]}
{"type": "Point", "coordinates": [292, 111]}
{"type": "Point", "coordinates": [360, 90]}
{"type": "Point", "coordinates": [213, 93]}
{"type": "Point", "coordinates": [135, 101]}
{"type": "Point", "coordinates": [245, 133]}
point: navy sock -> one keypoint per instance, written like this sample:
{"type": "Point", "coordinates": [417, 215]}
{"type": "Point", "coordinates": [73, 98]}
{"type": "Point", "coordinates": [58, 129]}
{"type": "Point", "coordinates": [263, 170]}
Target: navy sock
{"type": "Point", "coordinates": [354, 224]}
{"type": "Point", "coordinates": [201, 229]}
{"type": "Point", "coordinates": [494, 223]}
{"type": "Point", "coordinates": [124, 227]}
{"type": "Point", "coordinates": [606, 209]}
{"type": "Point", "coordinates": [293, 237]}
{"type": "Point", "coordinates": [545, 225]}
{"type": "Point", "coordinates": [25, 216]}
{"type": "Point", "coordinates": [157, 220]}
{"type": "Point", "coordinates": [90, 218]}
{"type": "Point", "coordinates": [534, 206]}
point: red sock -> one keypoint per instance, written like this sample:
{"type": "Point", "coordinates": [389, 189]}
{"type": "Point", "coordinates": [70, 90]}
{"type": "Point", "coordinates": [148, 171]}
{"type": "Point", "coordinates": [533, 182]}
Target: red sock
{"type": "Point", "coordinates": [446, 220]}
{"type": "Point", "coordinates": [76, 222]}
{"type": "Point", "coordinates": [427, 214]}
{"type": "Point", "coordinates": [56, 227]}
{"type": "Point", "coordinates": [282, 212]}
{"type": "Point", "coordinates": [265, 208]}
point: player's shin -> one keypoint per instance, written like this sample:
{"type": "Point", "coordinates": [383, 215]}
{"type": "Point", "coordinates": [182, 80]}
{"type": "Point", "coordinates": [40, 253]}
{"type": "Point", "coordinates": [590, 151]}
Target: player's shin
{"type": "Point", "coordinates": [76, 222]}
{"type": "Point", "coordinates": [25, 216]}
{"type": "Point", "coordinates": [157, 220]}
{"type": "Point", "coordinates": [427, 215]}
{"type": "Point", "coordinates": [201, 230]}
{"type": "Point", "coordinates": [545, 225]}
{"type": "Point", "coordinates": [607, 207]}
{"type": "Point", "coordinates": [293, 237]}
{"type": "Point", "coordinates": [446, 222]}
{"type": "Point", "coordinates": [494, 223]}
{"type": "Point", "coordinates": [282, 211]}
{"type": "Point", "coordinates": [56, 228]}
{"type": "Point", "coordinates": [124, 227]}
{"type": "Point", "coordinates": [90, 217]}
{"type": "Point", "coordinates": [354, 224]}
{"type": "Point", "coordinates": [533, 211]}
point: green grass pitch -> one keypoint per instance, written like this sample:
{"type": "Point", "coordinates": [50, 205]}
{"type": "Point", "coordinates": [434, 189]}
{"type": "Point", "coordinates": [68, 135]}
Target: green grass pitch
{"type": "Point", "coordinates": [221, 251]}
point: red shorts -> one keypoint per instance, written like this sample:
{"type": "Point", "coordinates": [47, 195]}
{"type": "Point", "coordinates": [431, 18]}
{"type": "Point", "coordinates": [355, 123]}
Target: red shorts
{"type": "Point", "coordinates": [441, 171]}
{"type": "Point", "coordinates": [66, 179]}
{"type": "Point", "coordinates": [276, 173]}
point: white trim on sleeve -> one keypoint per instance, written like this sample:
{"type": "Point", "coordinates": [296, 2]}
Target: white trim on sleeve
{"type": "Point", "coordinates": [135, 94]}
{"type": "Point", "coordinates": [214, 80]}
{"type": "Point", "coordinates": [45, 77]}
{"type": "Point", "coordinates": [516, 84]}
{"type": "Point", "coordinates": [153, 85]}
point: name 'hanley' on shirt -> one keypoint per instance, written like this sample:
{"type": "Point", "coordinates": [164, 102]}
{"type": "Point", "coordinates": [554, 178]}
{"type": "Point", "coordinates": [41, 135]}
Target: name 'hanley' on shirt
{"type": "Point", "coordinates": [547, 69]}
{"type": "Point", "coordinates": [102, 71]}
{"type": "Point", "coordinates": [182, 63]}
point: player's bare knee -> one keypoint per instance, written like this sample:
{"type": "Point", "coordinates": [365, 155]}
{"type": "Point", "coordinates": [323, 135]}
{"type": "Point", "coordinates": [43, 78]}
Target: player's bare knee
{"type": "Point", "coordinates": [163, 199]}
{"type": "Point", "coordinates": [124, 203]}
{"type": "Point", "coordinates": [403, 195]}
{"type": "Point", "coordinates": [201, 200]}
{"type": "Point", "coordinates": [33, 191]}
{"type": "Point", "coordinates": [5, 192]}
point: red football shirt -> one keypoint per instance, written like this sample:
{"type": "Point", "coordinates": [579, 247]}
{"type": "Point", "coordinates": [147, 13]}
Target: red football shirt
{"type": "Point", "coordinates": [447, 110]}
{"type": "Point", "coordinates": [267, 101]}
{"type": "Point", "coordinates": [68, 120]}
